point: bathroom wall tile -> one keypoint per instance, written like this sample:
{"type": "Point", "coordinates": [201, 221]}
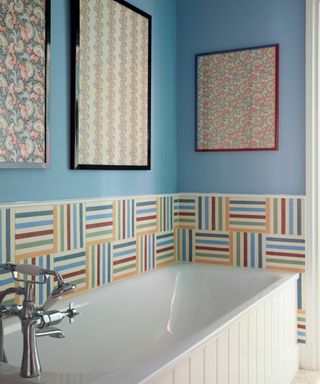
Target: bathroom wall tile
{"type": "Point", "coordinates": [35, 231]}
{"type": "Point", "coordinates": [165, 213]}
{"type": "Point", "coordinates": [287, 216]}
{"type": "Point", "coordinates": [285, 252]}
{"type": "Point", "coordinates": [146, 216]}
{"type": "Point", "coordinates": [70, 226]}
{"type": "Point", "coordinates": [124, 216]}
{"type": "Point", "coordinates": [72, 265]}
{"type": "Point", "coordinates": [99, 222]}
{"type": "Point", "coordinates": [301, 324]}
{"type": "Point", "coordinates": [248, 249]}
{"type": "Point", "coordinates": [99, 265]}
{"type": "Point", "coordinates": [146, 252]}
{"type": "Point", "coordinates": [165, 249]}
{"type": "Point", "coordinates": [124, 259]}
{"type": "Point", "coordinates": [248, 214]}
{"type": "Point", "coordinates": [185, 212]}
{"type": "Point", "coordinates": [212, 247]}
{"type": "Point", "coordinates": [184, 244]}
{"type": "Point", "coordinates": [211, 213]}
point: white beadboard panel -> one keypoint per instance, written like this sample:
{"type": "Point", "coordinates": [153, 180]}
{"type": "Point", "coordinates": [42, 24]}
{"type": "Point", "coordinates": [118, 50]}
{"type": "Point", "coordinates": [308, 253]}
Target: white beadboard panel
{"type": "Point", "coordinates": [223, 358]}
{"type": "Point", "coordinates": [168, 379]}
{"type": "Point", "coordinates": [181, 373]}
{"type": "Point", "coordinates": [260, 344]}
{"type": "Point", "coordinates": [243, 350]}
{"type": "Point", "coordinates": [210, 363]}
{"type": "Point", "coordinates": [281, 318]}
{"type": "Point", "coordinates": [252, 347]}
{"type": "Point", "coordinates": [275, 331]}
{"type": "Point", "coordinates": [197, 367]}
{"type": "Point", "coordinates": [268, 338]}
{"type": "Point", "coordinates": [234, 353]}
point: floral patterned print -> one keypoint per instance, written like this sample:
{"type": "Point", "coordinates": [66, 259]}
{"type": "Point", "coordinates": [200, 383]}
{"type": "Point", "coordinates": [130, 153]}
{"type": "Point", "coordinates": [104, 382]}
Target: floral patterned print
{"type": "Point", "coordinates": [237, 99]}
{"type": "Point", "coordinates": [22, 81]}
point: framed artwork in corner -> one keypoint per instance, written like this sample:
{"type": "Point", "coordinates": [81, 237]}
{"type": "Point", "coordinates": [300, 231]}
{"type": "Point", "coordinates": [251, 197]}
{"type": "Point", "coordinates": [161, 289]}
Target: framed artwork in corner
{"type": "Point", "coordinates": [24, 83]}
{"type": "Point", "coordinates": [111, 85]}
{"type": "Point", "coordinates": [237, 96]}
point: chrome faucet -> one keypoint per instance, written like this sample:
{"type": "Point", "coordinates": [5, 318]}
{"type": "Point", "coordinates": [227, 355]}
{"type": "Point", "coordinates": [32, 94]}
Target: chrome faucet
{"type": "Point", "coordinates": [35, 321]}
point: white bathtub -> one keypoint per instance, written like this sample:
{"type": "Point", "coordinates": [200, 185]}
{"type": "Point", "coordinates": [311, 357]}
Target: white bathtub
{"type": "Point", "coordinates": [181, 324]}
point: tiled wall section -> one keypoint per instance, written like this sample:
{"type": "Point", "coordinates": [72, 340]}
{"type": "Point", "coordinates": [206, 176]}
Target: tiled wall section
{"type": "Point", "coordinates": [93, 243]}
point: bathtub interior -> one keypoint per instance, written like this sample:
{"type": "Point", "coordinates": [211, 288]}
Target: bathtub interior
{"type": "Point", "coordinates": [130, 323]}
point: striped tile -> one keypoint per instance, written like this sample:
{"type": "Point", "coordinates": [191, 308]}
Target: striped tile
{"type": "Point", "coordinates": [301, 323]}
{"type": "Point", "coordinates": [70, 227]}
{"type": "Point", "coordinates": [248, 249]}
{"type": "Point", "coordinates": [248, 214]}
{"type": "Point", "coordinates": [124, 219]}
{"type": "Point", "coordinates": [165, 213]}
{"type": "Point", "coordinates": [124, 259]}
{"type": "Point", "coordinates": [184, 244]}
{"type": "Point", "coordinates": [165, 250]}
{"type": "Point", "coordinates": [72, 266]}
{"type": "Point", "coordinates": [285, 252]}
{"type": "Point", "coordinates": [211, 213]}
{"type": "Point", "coordinates": [99, 222]}
{"type": "Point", "coordinates": [99, 265]}
{"type": "Point", "coordinates": [34, 231]}
{"type": "Point", "coordinates": [185, 212]}
{"type": "Point", "coordinates": [287, 216]}
{"type": "Point", "coordinates": [146, 252]}
{"type": "Point", "coordinates": [146, 216]}
{"type": "Point", "coordinates": [212, 247]}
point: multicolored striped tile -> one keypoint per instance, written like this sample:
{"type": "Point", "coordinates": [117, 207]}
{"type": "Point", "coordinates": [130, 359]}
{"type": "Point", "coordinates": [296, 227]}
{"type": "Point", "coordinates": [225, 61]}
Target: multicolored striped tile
{"type": "Point", "coordinates": [124, 259]}
{"type": "Point", "coordinates": [73, 267]}
{"type": "Point", "coordinates": [165, 213]}
{"type": "Point", "coordinates": [248, 214]}
{"type": "Point", "coordinates": [211, 213]}
{"type": "Point", "coordinates": [184, 244]}
{"type": "Point", "coordinates": [248, 249]}
{"type": "Point", "coordinates": [301, 323]}
{"type": "Point", "coordinates": [35, 231]}
{"type": "Point", "coordinates": [99, 222]}
{"type": "Point", "coordinates": [146, 216]}
{"type": "Point", "coordinates": [124, 219]}
{"type": "Point", "coordinates": [165, 250]}
{"type": "Point", "coordinates": [185, 212]}
{"type": "Point", "coordinates": [285, 252]}
{"type": "Point", "coordinates": [287, 216]}
{"type": "Point", "coordinates": [70, 226]}
{"type": "Point", "coordinates": [146, 252]}
{"type": "Point", "coordinates": [99, 265]}
{"type": "Point", "coordinates": [212, 247]}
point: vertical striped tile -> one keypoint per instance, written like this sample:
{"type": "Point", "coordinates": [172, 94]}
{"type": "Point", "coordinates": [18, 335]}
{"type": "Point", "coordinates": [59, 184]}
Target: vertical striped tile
{"type": "Point", "coordinates": [72, 266]}
{"type": "Point", "coordinates": [248, 214]}
{"type": "Point", "coordinates": [211, 213]}
{"type": "Point", "coordinates": [124, 219]}
{"type": "Point", "coordinates": [212, 247]}
{"type": "Point", "coordinates": [165, 249]}
{"type": "Point", "coordinates": [184, 244]}
{"type": "Point", "coordinates": [99, 222]}
{"type": "Point", "coordinates": [70, 219]}
{"type": "Point", "coordinates": [146, 252]}
{"type": "Point", "coordinates": [34, 231]}
{"type": "Point", "coordinates": [287, 216]}
{"type": "Point", "coordinates": [165, 213]}
{"type": "Point", "coordinates": [248, 249]}
{"type": "Point", "coordinates": [124, 259]}
{"type": "Point", "coordinates": [185, 212]}
{"type": "Point", "coordinates": [301, 323]}
{"type": "Point", "coordinates": [285, 252]}
{"type": "Point", "coordinates": [99, 265]}
{"type": "Point", "coordinates": [146, 216]}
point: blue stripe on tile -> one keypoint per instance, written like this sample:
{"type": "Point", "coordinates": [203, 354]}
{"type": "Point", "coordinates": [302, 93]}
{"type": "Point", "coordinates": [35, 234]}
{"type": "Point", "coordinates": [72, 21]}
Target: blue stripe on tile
{"type": "Point", "coordinates": [34, 224]}
{"type": "Point", "coordinates": [33, 214]}
{"type": "Point", "coordinates": [291, 216]}
{"type": "Point", "coordinates": [8, 235]}
{"type": "Point", "coordinates": [99, 208]}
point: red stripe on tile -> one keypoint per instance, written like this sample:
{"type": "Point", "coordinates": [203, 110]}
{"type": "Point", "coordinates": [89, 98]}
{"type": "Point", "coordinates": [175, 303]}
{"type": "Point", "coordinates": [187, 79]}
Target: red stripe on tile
{"type": "Point", "coordinates": [164, 249]}
{"type": "Point", "coordinates": [72, 274]}
{"type": "Point", "coordinates": [245, 250]}
{"type": "Point", "coordinates": [201, 247]}
{"type": "Point", "coordinates": [272, 253]}
{"type": "Point", "coordinates": [98, 225]}
{"type": "Point", "coordinates": [283, 216]}
{"type": "Point", "coordinates": [68, 228]}
{"type": "Point", "coordinates": [239, 216]}
{"type": "Point", "coordinates": [213, 214]}
{"type": "Point", "coordinates": [33, 234]}
{"type": "Point", "coordinates": [117, 262]}
{"type": "Point", "coordinates": [146, 218]}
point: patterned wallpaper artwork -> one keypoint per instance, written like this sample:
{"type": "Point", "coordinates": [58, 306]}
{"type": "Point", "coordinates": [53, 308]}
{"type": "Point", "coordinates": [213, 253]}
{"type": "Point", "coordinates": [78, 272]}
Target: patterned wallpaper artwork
{"type": "Point", "coordinates": [96, 242]}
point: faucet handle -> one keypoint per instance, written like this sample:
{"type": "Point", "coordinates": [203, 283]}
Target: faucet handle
{"type": "Point", "coordinates": [25, 269]}
{"type": "Point", "coordinates": [71, 312]}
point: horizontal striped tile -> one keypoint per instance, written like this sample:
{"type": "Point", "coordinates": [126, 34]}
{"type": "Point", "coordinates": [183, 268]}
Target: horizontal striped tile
{"type": "Point", "coordinates": [146, 216]}
{"type": "Point", "coordinates": [285, 252]}
{"type": "Point", "coordinates": [301, 324]}
{"type": "Point", "coordinates": [184, 244]}
{"type": "Point", "coordinates": [212, 247]}
{"type": "Point", "coordinates": [146, 252]}
{"type": "Point", "coordinates": [124, 259]}
{"type": "Point", "coordinates": [248, 249]}
{"type": "Point", "coordinates": [124, 219]}
{"type": "Point", "coordinates": [211, 213]}
{"type": "Point", "coordinates": [99, 226]}
{"type": "Point", "coordinates": [185, 212]}
{"type": "Point", "coordinates": [165, 213]}
{"type": "Point", "coordinates": [165, 249]}
{"type": "Point", "coordinates": [34, 231]}
{"type": "Point", "coordinates": [99, 265]}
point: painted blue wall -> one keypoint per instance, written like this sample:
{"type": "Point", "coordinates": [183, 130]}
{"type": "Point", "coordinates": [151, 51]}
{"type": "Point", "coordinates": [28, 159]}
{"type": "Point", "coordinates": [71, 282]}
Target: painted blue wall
{"type": "Point", "coordinates": [60, 182]}
{"type": "Point", "coordinates": [213, 25]}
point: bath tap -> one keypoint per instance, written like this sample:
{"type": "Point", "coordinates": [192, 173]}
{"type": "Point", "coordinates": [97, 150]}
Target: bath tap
{"type": "Point", "coordinates": [35, 321]}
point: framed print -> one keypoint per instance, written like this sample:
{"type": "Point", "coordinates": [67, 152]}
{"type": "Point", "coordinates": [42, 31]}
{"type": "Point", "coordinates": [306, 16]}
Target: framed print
{"type": "Point", "coordinates": [237, 100]}
{"type": "Point", "coordinates": [111, 85]}
{"type": "Point", "coordinates": [24, 83]}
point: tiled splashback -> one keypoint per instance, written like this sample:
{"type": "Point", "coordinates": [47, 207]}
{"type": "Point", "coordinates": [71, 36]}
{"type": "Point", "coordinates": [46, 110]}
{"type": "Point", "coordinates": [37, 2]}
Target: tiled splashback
{"type": "Point", "coordinates": [95, 242]}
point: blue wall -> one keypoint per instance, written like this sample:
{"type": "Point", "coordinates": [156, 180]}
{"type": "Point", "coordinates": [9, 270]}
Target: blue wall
{"type": "Point", "coordinates": [60, 182]}
{"type": "Point", "coordinates": [213, 25]}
